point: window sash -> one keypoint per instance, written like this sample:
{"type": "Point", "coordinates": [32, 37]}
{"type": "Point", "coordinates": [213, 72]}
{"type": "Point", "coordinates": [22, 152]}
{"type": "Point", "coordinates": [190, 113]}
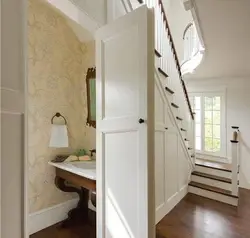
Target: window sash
{"type": "Point", "coordinates": [222, 124]}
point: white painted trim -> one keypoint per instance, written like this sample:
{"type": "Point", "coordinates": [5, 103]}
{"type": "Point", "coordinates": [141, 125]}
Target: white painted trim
{"type": "Point", "coordinates": [211, 171]}
{"type": "Point", "coordinates": [160, 84]}
{"type": "Point", "coordinates": [196, 20]}
{"type": "Point", "coordinates": [223, 123]}
{"type": "Point", "coordinates": [172, 202]}
{"type": "Point", "coordinates": [205, 156]}
{"type": "Point", "coordinates": [50, 216]}
{"type": "Point", "coordinates": [213, 195]}
{"type": "Point", "coordinates": [211, 182]}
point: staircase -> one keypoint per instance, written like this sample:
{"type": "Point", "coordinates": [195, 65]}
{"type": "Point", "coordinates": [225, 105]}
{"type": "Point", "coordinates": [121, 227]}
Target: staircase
{"type": "Point", "coordinates": [213, 180]}
{"type": "Point", "coordinates": [168, 77]}
{"type": "Point", "coordinates": [218, 181]}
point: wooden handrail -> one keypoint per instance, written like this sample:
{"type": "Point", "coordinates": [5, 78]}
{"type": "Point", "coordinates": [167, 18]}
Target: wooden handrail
{"type": "Point", "coordinates": [186, 29]}
{"type": "Point", "coordinates": [175, 54]}
{"type": "Point", "coordinates": [176, 57]}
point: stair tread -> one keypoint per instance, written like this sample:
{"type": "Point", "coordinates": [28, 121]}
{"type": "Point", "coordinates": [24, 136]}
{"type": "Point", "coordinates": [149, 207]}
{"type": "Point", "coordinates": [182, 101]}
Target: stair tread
{"type": "Point", "coordinates": [162, 72]}
{"type": "Point", "coordinates": [212, 189]}
{"type": "Point", "coordinates": [174, 105]}
{"type": "Point", "coordinates": [158, 54]}
{"type": "Point", "coordinates": [214, 165]}
{"type": "Point", "coordinates": [179, 118]}
{"type": "Point", "coordinates": [169, 90]}
{"type": "Point", "coordinates": [210, 176]}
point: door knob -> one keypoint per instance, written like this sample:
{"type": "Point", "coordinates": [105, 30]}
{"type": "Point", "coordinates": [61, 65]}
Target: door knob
{"type": "Point", "coordinates": [141, 121]}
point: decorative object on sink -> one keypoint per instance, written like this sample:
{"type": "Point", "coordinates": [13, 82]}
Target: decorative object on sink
{"type": "Point", "coordinates": [80, 155]}
{"type": "Point", "coordinates": [59, 133]}
{"type": "Point", "coordinates": [91, 96]}
{"type": "Point", "coordinates": [72, 158]}
{"type": "Point", "coordinates": [81, 152]}
{"type": "Point", "coordinates": [92, 152]}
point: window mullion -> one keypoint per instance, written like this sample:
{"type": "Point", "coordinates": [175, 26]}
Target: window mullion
{"type": "Point", "coordinates": [212, 123]}
{"type": "Point", "coordinates": [202, 123]}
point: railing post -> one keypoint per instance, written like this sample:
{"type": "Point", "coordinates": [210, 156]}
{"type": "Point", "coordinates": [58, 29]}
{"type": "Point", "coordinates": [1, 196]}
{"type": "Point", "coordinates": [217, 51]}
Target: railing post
{"type": "Point", "coordinates": [193, 139]}
{"type": "Point", "coordinates": [235, 161]}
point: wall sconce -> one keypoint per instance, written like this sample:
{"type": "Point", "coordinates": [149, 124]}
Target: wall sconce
{"type": "Point", "coordinates": [59, 133]}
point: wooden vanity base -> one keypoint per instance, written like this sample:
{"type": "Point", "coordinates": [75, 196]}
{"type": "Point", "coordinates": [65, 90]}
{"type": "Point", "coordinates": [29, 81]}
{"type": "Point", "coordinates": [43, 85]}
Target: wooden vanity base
{"type": "Point", "coordinates": [78, 215]}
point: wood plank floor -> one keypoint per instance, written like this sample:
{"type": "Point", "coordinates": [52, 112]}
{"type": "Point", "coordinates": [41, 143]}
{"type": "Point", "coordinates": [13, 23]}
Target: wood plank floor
{"type": "Point", "coordinates": [193, 217]}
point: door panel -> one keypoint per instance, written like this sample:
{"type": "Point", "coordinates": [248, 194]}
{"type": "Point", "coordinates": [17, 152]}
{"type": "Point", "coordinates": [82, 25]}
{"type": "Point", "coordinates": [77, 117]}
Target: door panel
{"type": "Point", "coordinates": [125, 149]}
{"type": "Point", "coordinates": [121, 93]}
{"type": "Point", "coordinates": [159, 170]}
{"type": "Point", "coordinates": [160, 153]}
{"type": "Point", "coordinates": [11, 175]}
{"type": "Point", "coordinates": [13, 216]}
{"type": "Point", "coordinates": [171, 164]}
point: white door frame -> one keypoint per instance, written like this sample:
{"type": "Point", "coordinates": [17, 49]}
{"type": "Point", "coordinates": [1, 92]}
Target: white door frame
{"type": "Point", "coordinates": [70, 10]}
{"type": "Point", "coordinates": [15, 100]}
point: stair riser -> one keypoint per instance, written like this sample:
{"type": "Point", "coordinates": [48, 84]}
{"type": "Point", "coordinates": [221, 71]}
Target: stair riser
{"type": "Point", "coordinates": [211, 182]}
{"type": "Point", "coordinates": [214, 196]}
{"type": "Point", "coordinates": [216, 172]}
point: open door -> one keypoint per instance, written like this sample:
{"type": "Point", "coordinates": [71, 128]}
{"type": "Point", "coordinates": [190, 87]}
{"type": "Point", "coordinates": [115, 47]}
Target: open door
{"type": "Point", "coordinates": [125, 127]}
{"type": "Point", "coordinates": [12, 193]}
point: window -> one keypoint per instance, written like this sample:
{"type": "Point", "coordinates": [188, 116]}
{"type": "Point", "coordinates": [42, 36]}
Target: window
{"type": "Point", "coordinates": [209, 122]}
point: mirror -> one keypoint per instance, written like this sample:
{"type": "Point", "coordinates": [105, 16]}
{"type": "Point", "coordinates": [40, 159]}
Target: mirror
{"type": "Point", "coordinates": [91, 96]}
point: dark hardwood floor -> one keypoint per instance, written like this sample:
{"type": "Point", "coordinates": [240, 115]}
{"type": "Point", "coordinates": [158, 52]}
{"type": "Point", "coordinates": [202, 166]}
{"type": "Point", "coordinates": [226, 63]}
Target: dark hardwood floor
{"type": "Point", "coordinates": [193, 217]}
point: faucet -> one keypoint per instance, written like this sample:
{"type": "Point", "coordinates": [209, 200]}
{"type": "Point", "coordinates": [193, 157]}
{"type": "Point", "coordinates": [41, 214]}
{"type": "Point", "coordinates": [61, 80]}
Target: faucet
{"type": "Point", "coordinates": [92, 152]}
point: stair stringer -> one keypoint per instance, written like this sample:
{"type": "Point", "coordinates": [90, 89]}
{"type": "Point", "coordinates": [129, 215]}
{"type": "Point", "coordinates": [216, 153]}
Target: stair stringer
{"type": "Point", "coordinates": [172, 117]}
{"type": "Point", "coordinates": [173, 164]}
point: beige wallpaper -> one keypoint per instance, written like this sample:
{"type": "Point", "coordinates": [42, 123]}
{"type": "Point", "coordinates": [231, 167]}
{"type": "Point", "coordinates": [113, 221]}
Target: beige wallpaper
{"type": "Point", "coordinates": [57, 67]}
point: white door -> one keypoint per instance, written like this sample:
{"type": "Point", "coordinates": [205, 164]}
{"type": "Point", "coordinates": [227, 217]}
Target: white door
{"type": "Point", "coordinates": [12, 120]}
{"type": "Point", "coordinates": [125, 127]}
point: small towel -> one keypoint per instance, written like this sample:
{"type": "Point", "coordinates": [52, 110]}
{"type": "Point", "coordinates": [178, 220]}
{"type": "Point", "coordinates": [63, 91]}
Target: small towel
{"type": "Point", "coordinates": [59, 136]}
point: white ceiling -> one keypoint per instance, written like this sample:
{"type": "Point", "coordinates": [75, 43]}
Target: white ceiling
{"type": "Point", "coordinates": [225, 25]}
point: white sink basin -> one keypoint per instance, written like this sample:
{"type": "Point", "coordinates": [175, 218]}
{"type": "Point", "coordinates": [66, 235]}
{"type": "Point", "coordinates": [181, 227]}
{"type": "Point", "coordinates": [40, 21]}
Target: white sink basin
{"type": "Point", "coordinates": [85, 165]}
{"type": "Point", "coordinates": [85, 169]}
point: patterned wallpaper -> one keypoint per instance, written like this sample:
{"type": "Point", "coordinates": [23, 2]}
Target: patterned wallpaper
{"type": "Point", "coordinates": [57, 68]}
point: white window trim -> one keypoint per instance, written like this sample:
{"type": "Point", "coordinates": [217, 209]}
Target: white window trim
{"type": "Point", "coordinates": [222, 94]}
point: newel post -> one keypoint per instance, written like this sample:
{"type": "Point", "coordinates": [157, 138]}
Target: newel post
{"type": "Point", "coordinates": [235, 160]}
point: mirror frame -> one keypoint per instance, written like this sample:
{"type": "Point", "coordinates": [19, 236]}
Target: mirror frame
{"type": "Point", "coordinates": [91, 75]}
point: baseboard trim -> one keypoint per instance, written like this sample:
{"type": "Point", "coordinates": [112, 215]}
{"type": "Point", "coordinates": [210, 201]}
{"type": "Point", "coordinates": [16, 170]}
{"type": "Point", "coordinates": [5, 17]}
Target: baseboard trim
{"type": "Point", "coordinates": [50, 216]}
{"type": "Point", "coordinates": [171, 203]}
{"type": "Point", "coordinates": [174, 200]}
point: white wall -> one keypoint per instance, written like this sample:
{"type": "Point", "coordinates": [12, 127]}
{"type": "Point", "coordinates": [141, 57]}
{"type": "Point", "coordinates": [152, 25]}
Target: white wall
{"type": "Point", "coordinates": [178, 19]}
{"type": "Point", "coordinates": [237, 114]}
